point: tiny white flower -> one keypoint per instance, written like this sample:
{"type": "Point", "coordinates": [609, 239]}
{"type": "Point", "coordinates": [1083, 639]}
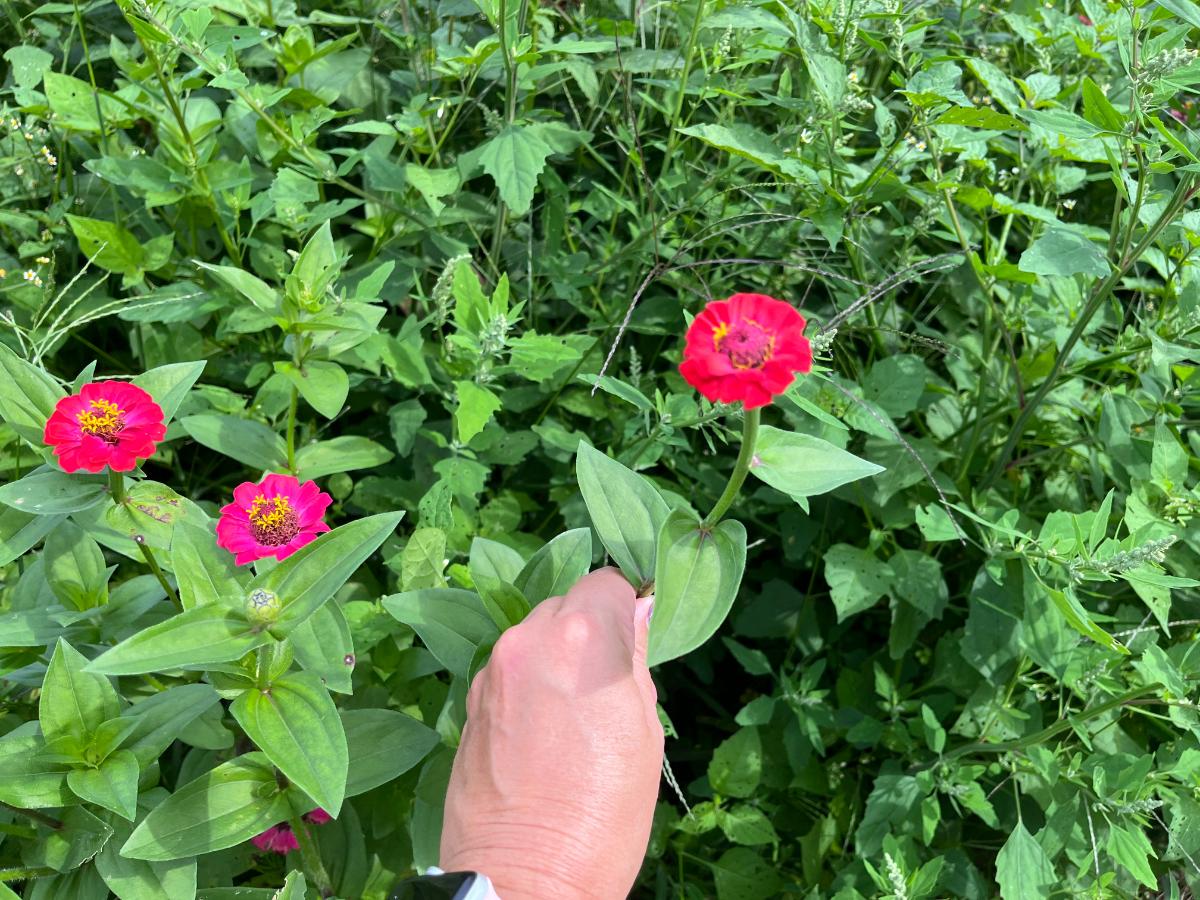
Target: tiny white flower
{"type": "Point", "coordinates": [920, 146]}
{"type": "Point", "coordinates": [806, 136]}
{"type": "Point", "coordinates": [1068, 204]}
{"type": "Point", "coordinates": [987, 101]}
{"type": "Point", "coordinates": [854, 78]}
{"type": "Point", "coordinates": [1015, 170]}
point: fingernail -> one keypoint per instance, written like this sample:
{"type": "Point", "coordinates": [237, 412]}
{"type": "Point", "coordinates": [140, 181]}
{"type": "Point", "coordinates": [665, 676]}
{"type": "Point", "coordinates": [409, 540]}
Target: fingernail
{"type": "Point", "coordinates": [645, 608]}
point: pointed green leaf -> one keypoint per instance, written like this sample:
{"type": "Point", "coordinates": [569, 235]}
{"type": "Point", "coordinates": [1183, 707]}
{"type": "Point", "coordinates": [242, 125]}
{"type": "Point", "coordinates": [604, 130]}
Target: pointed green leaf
{"type": "Point", "coordinates": [383, 744]}
{"type": "Point", "coordinates": [324, 646]}
{"type": "Point", "coordinates": [112, 785]}
{"type": "Point", "coordinates": [476, 405]}
{"type": "Point", "coordinates": [169, 384]}
{"type": "Point", "coordinates": [251, 443]}
{"type": "Point", "coordinates": [323, 385]}
{"type": "Point", "coordinates": [801, 465]}
{"type": "Point", "coordinates": [627, 512]}
{"type": "Point", "coordinates": [1023, 870]}
{"type": "Point", "coordinates": [205, 572]}
{"type": "Point", "coordinates": [515, 158]}
{"type": "Point", "coordinates": [49, 492]}
{"type": "Point", "coordinates": [74, 701]}
{"type": "Point", "coordinates": [223, 807]}
{"type": "Point", "coordinates": [697, 576]}
{"type": "Point", "coordinates": [193, 639]}
{"type": "Point", "coordinates": [295, 723]}
{"type": "Point", "coordinates": [27, 396]}
{"type": "Point", "coordinates": [555, 568]}
{"type": "Point", "coordinates": [27, 780]}
{"type": "Point", "coordinates": [452, 623]}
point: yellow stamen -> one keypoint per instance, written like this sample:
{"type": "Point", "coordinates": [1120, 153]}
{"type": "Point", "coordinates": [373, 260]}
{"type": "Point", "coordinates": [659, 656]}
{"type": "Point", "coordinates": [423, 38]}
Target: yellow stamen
{"type": "Point", "coordinates": [103, 418]}
{"type": "Point", "coordinates": [270, 512]}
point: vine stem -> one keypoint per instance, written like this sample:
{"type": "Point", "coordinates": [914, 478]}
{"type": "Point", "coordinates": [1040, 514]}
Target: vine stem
{"type": "Point", "coordinates": [310, 857]}
{"type": "Point", "coordinates": [741, 469]}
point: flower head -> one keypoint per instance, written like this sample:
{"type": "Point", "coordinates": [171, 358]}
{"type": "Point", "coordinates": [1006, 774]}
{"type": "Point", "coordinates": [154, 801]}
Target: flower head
{"type": "Point", "coordinates": [108, 423]}
{"type": "Point", "coordinates": [276, 518]}
{"type": "Point", "coordinates": [281, 839]}
{"type": "Point", "coordinates": [746, 348]}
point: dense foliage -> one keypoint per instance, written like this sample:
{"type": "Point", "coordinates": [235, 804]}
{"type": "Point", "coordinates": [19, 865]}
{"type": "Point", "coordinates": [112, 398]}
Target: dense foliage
{"type": "Point", "coordinates": [430, 254]}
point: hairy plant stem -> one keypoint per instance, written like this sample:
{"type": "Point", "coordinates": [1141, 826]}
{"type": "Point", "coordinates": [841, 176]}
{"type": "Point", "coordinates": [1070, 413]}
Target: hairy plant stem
{"type": "Point", "coordinates": [20, 874]}
{"type": "Point", "coordinates": [1101, 293]}
{"type": "Point", "coordinates": [310, 857]}
{"type": "Point", "coordinates": [741, 469]}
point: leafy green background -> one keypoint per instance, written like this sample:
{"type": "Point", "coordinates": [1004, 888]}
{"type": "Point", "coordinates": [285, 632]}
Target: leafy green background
{"type": "Point", "coordinates": [438, 245]}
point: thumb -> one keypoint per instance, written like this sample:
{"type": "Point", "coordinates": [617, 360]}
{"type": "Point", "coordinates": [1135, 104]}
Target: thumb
{"type": "Point", "coordinates": [643, 609]}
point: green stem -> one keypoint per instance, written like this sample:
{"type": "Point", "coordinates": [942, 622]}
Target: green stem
{"type": "Point", "coordinates": [25, 874]}
{"type": "Point", "coordinates": [116, 486]}
{"type": "Point", "coordinates": [39, 817]}
{"type": "Point", "coordinates": [684, 75]}
{"type": "Point", "coordinates": [310, 857]}
{"type": "Point", "coordinates": [741, 468]}
{"type": "Point", "coordinates": [291, 430]}
{"type": "Point", "coordinates": [148, 555]}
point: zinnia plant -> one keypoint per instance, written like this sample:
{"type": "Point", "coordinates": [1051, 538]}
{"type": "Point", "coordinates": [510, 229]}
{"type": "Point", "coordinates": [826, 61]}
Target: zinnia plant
{"type": "Point", "coordinates": [108, 423]}
{"type": "Point", "coordinates": [275, 517]}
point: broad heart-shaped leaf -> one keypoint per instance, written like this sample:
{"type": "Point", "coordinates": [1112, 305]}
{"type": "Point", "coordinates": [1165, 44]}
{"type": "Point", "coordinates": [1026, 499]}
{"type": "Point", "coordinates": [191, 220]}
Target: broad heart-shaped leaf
{"type": "Point", "coordinates": [857, 579]}
{"type": "Point", "coordinates": [26, 780]}
{"type": "Point", "coordinates": [158, 720]}
{"type": "Point", "coordinates": [453, 623]}
{"type": "Point", "coordinates": [74, 702]}
{"type": "Point", "coordinates": [1023, 870]}
{"type": "Point", "coordinates": [295, 723]}
{"type": "Point", "coordinates": [476, 405]}
{"type": "Point", "coordinates": [205, 572]}
{"type": "Point", "coordinates": [193, 639]}
{"type": "Point", "coordinates": [627, 511]}
{"type": "Point", "coordinates": [169, 384]}
{"type": "Point", "coordinates": [27, 396]}
{"type": "Point", "coordinates": [315, 572]}
{"type": "Point", "coordinates": [223, 807]}
{"type": "Point", "coordinates": [323, 385]}
{"type": "Point", "coordinates": [697, 576]}
{"type": "Point", "coordinates": [555, 568]}
{"type": "Point", "coordinates": [383, 744]}
{"type": "Point", "coordinates": [1063, 252]}
{"type": "Point", "coordinates": [324, 646]}
{"type": "Point", "coordinates": [112, 785]}
{"type": "Point", "coordinates": [251, 443]}
{"type": "Point", "coordinates": [515, 158]}
{"type": "Point", "coordinates": [49, 492]}
{"type": "Point", "coordinates": [340, 454]}
{"type": "Point", "coordinates": [801, 465]}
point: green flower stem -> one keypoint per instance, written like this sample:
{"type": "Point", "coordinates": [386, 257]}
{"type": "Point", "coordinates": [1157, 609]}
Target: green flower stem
{"type": "Point", "coordinates": [291, 430]}
{"type": "Point", "coordinates": [310, 857]}
{"type": "Point", "coordinates": [148, 555]}
{"type": "Point", "coordinates": [39, 817]}
{"type": "Point", "coordinates": [25, 874]}
{"type": "Point", "coordinates": [116, 486]}
{"type": "Point", "coordinates": [741, 468]}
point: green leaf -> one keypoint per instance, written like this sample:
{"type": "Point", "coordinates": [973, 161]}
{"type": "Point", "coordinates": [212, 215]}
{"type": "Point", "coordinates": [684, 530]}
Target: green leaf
{"type": "Point", "coordinates": [432, 184]}
{"type": "Point", "coordinates": [27, 396]}
{"type": "Point", "coordinates": [136, 879]}
{"type": "Point", "coordinates": [857, 580]}
{"type": "Point", "coordinates": [28, 63]}
{"type": "Point", "coordinates": [801, 465]}
{"type": "Point", "coordinates": [1023, 870]}
{"type": "Point", "coordinates": [74, 702]}
{"type": "Point", "coordinates": [383, 745]}
{"type": "Point", "coordinates": [405, 420]}
{"type": "Point", "coordinates": [697, 576]}
{"type": "Point", "coordinates": [1079, 619]}
{"type": "Point", "coordinates": [315, 268]}
{"type": "Point", "coordinates": [539, 357]}
{"type": "Point", "coordinates": [26, 779]}
{"type": "Point", "coordinates": [251, 443]}
{"type": "Point", "coordinates": [294, 887]}
{"type": "Point", "coordinates": [515, 158]}
{"type": "Point", "coordinates": [618, 388]}
{"type": "Point", "coordinates": [294, 722]}
{"type": "Point", "coordinates": [422, 560]}
{"type": "Point", "coordinates": [150, 511]}
{"type": "Point", "coordinates": [314, 573]}
{"type": "Point", "coordinates": [453, 623]}
{"type": "Point", "coordinates": [75, 568]}
{"type": "Point", "coordinates": [1097, 109]}
{"type": "Point", "coordinates": [980, 117]}
{"type": "Point", "coordinates": [159, 719]}
{"type": "Point", "coordinates": [81, 837]}
{"type": "Point", "coordinates": [113, 784]}
{"type": "Point", "coordinates": [196, 638]}
{"type": "Point", "coordinates": [746, 825]}
{"type": "Point", "coordinates": [324, 646]}
{"type": "Point", "coordinates": [254, 289]}
{"type": "Point", "coordinates": [115, 249]}
{"type": "Point", "coordinates": [1131, 848]}
{"type": "Point", "coordinates": [223, 807]}
{"type": "Point", "coordinates": [750, 143]}
{"type": "Point", "coordinates": [340, 454]}
{"type": "Point", "coordinates": [323, 385]}
{"type": "Point", "coordinates": [476, 406]}
{"type": "Point", "coordinates": [554, 569]}
{"type": "Point", "coordinates": [49, 492]}
{"type": "Point", "coordinates": [736, 767]}
{"type": "Point", "coordinates": [169, 384]}
{"type": "Point", "coordinates": [1185, 9]}
{"type": "Point", "coordinates": [627, 512]}
{"type": "Point", "coordinates": [205, 572]}
{"type": "Point", "coordinates": [895, 384]}
{"type": "Point", "coordinates": [491, 559]}
{"type": "Point", "coordinates": [77, 106]}
{"type": "Point", "coordinates": [20, 532]}
{"type": "Point", "coordinates": [741, 874]}
{"type": "Point", "coordinates": [1061, 252]}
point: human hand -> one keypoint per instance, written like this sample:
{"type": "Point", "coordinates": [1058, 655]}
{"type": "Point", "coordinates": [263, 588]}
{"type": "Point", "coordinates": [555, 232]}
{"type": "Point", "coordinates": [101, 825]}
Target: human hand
{"type": "Point", "coordinates": [555, 781]}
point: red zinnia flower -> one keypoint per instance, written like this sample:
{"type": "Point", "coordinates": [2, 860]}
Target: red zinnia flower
{"type": "Point", "coordinates": [1085, 20]}
{"type": "Point", "coordinates": [281, 839]}
{"type": "Point", "coordinates": [108, 423]}
{"type": "Point", "coordinates": [274, 518]}
{"type": "Point", "coordinates": [746, 348]}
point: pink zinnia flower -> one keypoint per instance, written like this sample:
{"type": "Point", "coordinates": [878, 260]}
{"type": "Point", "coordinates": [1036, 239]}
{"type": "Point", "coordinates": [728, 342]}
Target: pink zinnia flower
{"type": "Point", "coordinates": [277, 839]}
{"type": "Point", "coordinates": [108, 423]}
{"type": "Point", "coordinates": [1085, 20]}
{"type": "Point", "coordinates": [281, 839]}
{"type": "Point", "coordinates": [276, 518]}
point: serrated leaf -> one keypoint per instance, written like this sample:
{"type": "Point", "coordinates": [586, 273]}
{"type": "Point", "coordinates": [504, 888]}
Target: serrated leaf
{"type": "Point", "coordinates": [515, 158]}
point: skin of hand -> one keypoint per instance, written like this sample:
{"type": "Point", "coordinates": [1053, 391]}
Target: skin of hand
{"type": "Point", "coordinates": [553, 789]}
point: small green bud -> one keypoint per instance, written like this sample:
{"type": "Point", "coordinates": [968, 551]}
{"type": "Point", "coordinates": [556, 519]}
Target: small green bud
{"type": "Point", "coordinates": [262, 607]}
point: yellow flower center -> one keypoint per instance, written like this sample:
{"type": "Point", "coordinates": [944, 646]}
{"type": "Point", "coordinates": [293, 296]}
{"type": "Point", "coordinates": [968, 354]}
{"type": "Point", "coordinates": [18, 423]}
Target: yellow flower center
{"type": "Point", "coordinates": [746, 343]}
{"type": "Point", "coordinates": [102, 418]}
{"type": "Point", "coordinates": [273, 522]}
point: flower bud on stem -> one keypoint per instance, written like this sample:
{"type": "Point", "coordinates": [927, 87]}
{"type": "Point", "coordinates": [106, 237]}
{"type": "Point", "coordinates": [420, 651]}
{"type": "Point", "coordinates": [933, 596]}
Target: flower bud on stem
{"type": "Point", "coordinates": [741, 469]}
